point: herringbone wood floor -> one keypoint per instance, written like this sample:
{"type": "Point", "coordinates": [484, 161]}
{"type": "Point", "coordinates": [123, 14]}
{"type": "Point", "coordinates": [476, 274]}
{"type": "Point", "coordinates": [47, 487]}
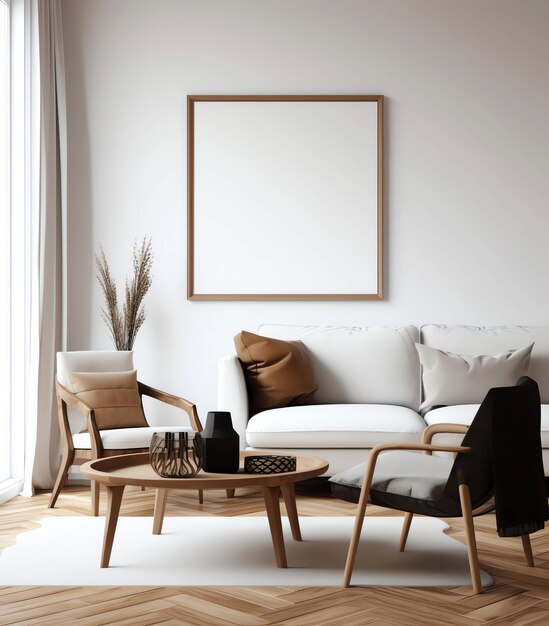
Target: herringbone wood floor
{"type": "Point", "coordinates": [520, 596]}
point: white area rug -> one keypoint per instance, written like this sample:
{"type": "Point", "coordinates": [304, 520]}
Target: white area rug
{"type": "Point", "coordinates": [234, 551]}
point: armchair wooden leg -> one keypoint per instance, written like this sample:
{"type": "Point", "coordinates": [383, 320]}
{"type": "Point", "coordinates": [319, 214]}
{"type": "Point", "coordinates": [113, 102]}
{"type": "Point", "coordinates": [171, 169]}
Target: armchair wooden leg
{"type": "Point", "coordinates": [527, 547]}
{"type": "Point", "coordinates": [355, 539]}
{"type": "Point", "coordinates": [95, 492]}
{"type": "Point", "coordinates": [200, 496]}
{"type": "Point", "coordinates": [405, 530]}
{"type": "Point", "coordinates": [67, 461]}
{"type": "Point", "coordinates": [466, 511]}
{"type": "Point", "coordinates": [230, 493]}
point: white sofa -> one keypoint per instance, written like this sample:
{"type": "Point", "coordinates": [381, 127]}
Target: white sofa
{"type": "Point", "coordinates": [369, 388]}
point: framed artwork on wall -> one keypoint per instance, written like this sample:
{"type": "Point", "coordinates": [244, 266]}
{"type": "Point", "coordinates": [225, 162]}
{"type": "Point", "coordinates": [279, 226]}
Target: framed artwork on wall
{"type": "Point", "coordinates": [285, 197]}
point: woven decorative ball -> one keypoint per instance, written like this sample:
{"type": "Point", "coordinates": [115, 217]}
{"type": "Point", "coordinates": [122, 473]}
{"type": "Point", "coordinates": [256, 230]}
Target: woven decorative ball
{"type": "Point", "coordinates": [269, 464]}
{"type": "Point", "coordinates": [176, 455]}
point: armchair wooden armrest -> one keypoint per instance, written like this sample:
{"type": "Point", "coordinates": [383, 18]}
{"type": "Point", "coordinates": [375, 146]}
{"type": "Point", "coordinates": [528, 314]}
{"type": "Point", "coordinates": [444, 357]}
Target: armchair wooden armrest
{"type": "Point", "coordinates": [385, 447]}
{"type": "Point", "coordinates": [72, 399]}
{"type": "Point", "coordinates": [168, 398]}
{"type": "Point", "coordinates": [436, 429]}
{"type": "Point", "coordinates": [66, 397]}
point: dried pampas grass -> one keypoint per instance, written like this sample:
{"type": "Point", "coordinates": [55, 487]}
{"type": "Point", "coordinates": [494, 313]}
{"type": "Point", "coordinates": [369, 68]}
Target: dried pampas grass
{"type": "Point", "coordinates": [124, 324]}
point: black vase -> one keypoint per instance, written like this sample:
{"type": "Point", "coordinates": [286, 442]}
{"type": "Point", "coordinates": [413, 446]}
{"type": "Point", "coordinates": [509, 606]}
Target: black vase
{"type": "Point", "coordinates": [221, 444]}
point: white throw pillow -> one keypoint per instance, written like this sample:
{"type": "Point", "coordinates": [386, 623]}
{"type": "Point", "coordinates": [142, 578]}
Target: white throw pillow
{"type": "Point", "coordinates": [454, 379]}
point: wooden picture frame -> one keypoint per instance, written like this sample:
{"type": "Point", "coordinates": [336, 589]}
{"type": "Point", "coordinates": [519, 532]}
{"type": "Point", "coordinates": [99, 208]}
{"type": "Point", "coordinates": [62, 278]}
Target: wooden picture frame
{"type": "Point", "coordinates": [285, 197]}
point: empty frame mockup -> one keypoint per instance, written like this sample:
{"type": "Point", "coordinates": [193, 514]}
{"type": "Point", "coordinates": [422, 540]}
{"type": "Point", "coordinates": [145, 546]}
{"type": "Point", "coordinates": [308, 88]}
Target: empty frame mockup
{"type": "Point", "coordinates": [285, 197]}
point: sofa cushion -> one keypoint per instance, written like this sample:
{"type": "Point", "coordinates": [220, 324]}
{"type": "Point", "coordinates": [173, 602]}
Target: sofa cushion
{"type": "Point", "coordinates": [127, 438]}
{"type": "Point", "coordinates": [333, 426]}
{"type": "Point", "coordinates": [454, 379]}
{"type": "Point", "coordinates": [278, 373]}
{"type": "Point", "coordinates": [114, 396]}
{"type": "Point", "coordinates": [360, 365]}
{"type": "Point", "coordinates": [494, 340]}
{"type": "Point", "coordinates": [464, 414]}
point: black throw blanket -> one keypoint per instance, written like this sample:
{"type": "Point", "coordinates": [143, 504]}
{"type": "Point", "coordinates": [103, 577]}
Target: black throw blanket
{"type": "Point", "coordinates": [517, 464]}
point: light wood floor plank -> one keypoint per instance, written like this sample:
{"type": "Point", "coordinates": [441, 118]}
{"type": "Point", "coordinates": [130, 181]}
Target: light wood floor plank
{"type": "Point", "coordinates": [520, 596]}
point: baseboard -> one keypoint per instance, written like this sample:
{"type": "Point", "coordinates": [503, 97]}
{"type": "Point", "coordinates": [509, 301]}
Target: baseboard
{"type": "Point", "coordinates": [10, 488]}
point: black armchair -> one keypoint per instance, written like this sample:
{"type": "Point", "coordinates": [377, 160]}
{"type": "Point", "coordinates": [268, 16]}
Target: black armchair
{"type": "Point", "coordinates": [499, 465]}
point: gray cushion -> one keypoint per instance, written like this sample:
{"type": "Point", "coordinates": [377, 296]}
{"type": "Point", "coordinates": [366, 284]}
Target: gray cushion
{"type": "Point", "coordinates": [403, 473]}
{"type": "Point", "coordinates": [459, 379]}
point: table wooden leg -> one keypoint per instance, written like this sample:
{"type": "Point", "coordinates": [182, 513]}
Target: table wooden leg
{"type": "Point", "coordinates": [159, 510]}
{"type": "Point", "coordinates": [288, 491]}
{"type": "Point", "coordinates": [272, 505]}
{"type": "Point", "coordinates": [114, 499]}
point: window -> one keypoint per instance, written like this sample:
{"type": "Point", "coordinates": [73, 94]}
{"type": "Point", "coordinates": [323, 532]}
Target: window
{"type": "Point", "coordinates": [5, 246]}
{"type": "Point", "coordinates": [12, 245]}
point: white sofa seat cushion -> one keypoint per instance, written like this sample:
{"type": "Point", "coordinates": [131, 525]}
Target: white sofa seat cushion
{"type": "Point", "coordinates": [403, 473]}
{"type": "Point", "coordinates": [126, 438]}
{"type": "Point", "coordinates": [465, 413]}
{"type": "Point", "coordinates": [333, 426]}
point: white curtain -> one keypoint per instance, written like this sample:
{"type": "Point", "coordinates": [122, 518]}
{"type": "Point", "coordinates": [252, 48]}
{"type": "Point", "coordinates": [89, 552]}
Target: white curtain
{"type": "Point", "coordinates": [48, 278]}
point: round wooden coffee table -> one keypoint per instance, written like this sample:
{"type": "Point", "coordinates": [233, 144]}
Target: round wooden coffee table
{"type": "Point", "coordinates": [116, 472]}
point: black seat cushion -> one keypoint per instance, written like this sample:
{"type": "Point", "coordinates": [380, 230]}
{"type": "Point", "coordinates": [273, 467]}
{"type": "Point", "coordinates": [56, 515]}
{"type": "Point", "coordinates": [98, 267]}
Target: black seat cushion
{"type": "Point", "coordinates": [403, 479]}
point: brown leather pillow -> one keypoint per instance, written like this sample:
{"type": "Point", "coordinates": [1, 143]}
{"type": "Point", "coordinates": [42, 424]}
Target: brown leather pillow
{"type": "Point", "coordinates": [278, 373]}
{"type": "Point", "coordinates": [113, 396]}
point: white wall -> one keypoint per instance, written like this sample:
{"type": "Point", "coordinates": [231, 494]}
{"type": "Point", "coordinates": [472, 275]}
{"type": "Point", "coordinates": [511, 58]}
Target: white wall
{"type": "Point", "coordinates": [467, 213]}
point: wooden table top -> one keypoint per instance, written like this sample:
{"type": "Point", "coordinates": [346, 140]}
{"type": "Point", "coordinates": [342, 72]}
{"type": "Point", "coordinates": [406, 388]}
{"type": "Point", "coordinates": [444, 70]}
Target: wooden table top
{"type": "Point", "coordinates": [135, 469]}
